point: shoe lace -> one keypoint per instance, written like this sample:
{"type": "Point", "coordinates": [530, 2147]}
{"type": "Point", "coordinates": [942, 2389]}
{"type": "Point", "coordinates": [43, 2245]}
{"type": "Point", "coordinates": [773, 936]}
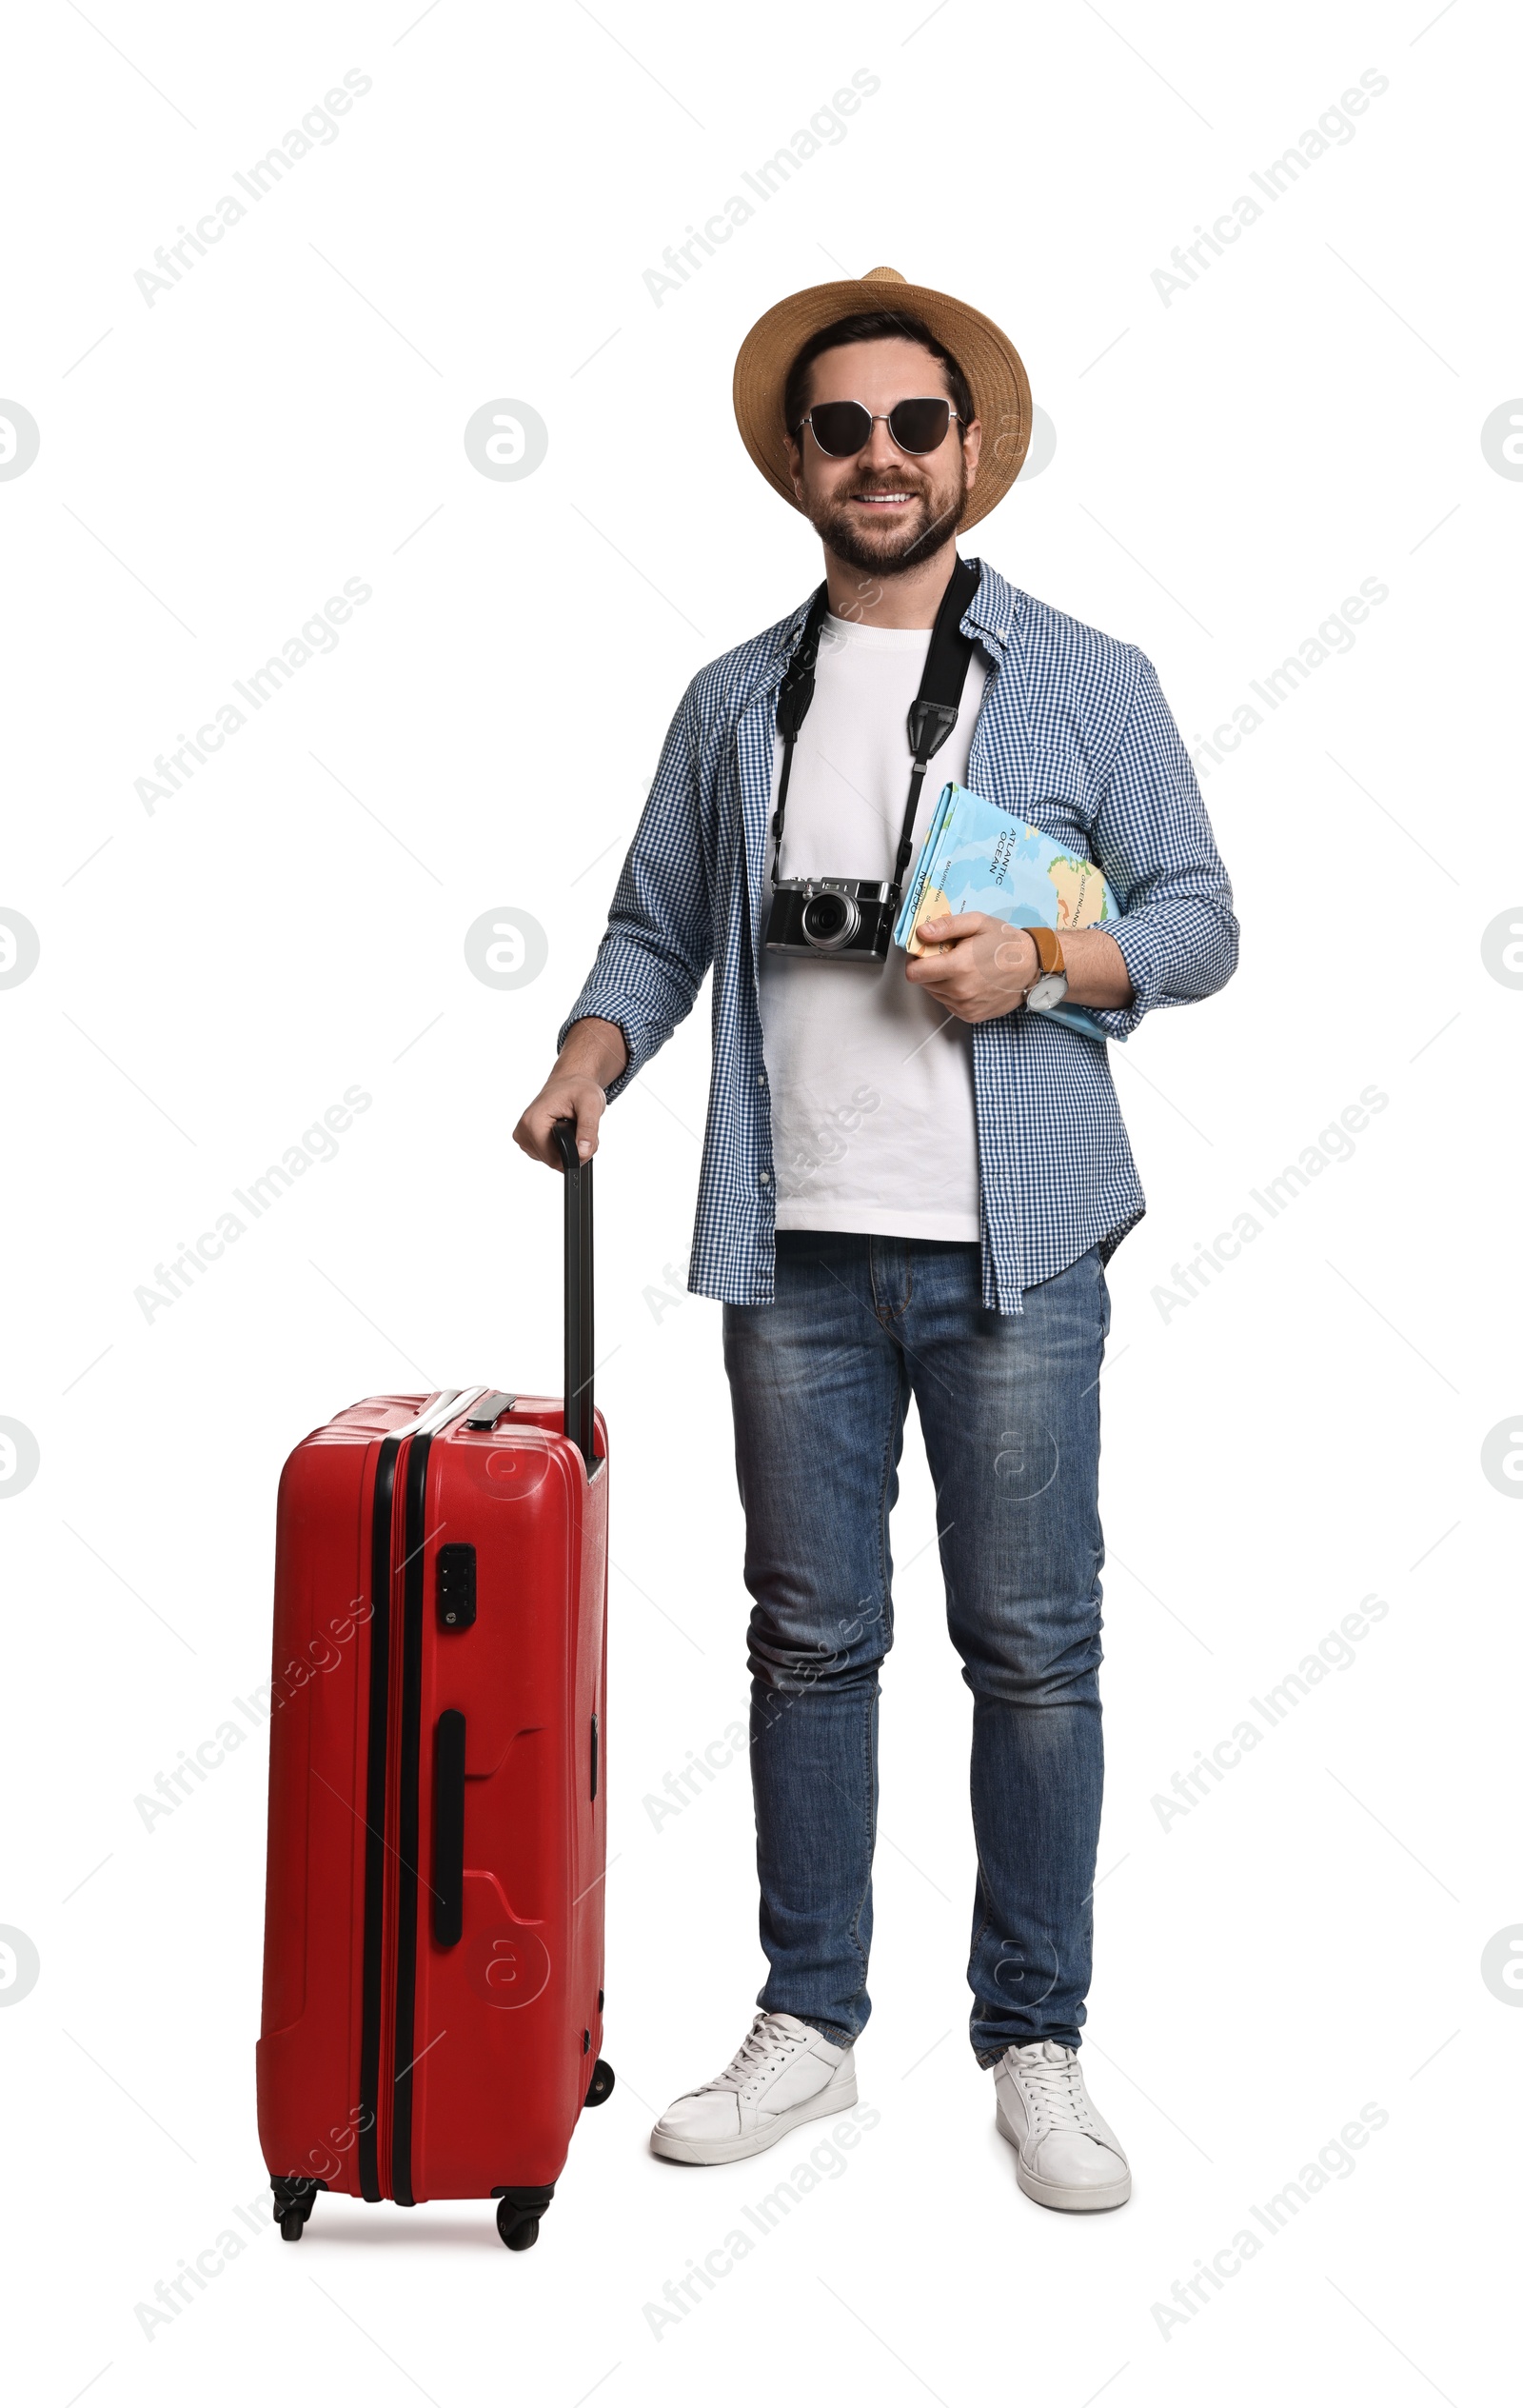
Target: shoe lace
{"type": "Point", "coordinates": [1055, 2087]}
{"type": "Point", "coordinates": [763, 2047]}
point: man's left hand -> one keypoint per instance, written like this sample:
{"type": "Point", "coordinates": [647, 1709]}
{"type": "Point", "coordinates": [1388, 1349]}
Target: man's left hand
{"type": "Point", "coordinates": [984, 969]}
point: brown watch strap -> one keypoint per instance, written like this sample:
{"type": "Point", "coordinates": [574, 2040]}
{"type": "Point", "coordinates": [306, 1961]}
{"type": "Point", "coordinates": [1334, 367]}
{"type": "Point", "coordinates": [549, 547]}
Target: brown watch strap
{"type": "Point", "coordinates": [1049, 952]}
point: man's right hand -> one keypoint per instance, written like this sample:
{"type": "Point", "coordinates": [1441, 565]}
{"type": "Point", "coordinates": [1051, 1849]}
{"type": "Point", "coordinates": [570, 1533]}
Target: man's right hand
{"type": "Point", "coordinates": [591, 1059]}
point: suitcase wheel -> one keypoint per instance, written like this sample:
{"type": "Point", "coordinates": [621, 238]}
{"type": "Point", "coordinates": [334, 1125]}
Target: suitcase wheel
{"type": "Point", "coordinates": [517, 2229]}
{"type": "Point", "coordinates": [519, 2212]}
{"type": "Point", "coordinates": [294, 2195]}
{"type": "Point", "coordinates": [601, 2084]}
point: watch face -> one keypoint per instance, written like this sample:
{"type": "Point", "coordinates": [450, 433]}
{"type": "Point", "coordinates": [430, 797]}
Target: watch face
{"type": "Point", "coordinates": [1047, 992]}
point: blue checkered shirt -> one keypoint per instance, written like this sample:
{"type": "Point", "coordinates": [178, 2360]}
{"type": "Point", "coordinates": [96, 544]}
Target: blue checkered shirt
{"type": "Point", "coordinates": [1073, 735]}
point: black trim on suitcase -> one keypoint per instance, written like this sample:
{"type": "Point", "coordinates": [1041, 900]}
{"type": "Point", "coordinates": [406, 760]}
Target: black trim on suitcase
{"type": "Point", "coordinates": [375, 1813]}
{"type": "Point", "coordinates": [414, 1533]}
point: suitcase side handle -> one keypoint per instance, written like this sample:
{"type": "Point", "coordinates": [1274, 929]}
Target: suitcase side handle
{"type": "Point", "coordinates": [578, 1374]}
{"type": "Point", "coordinates": [449, 1827]}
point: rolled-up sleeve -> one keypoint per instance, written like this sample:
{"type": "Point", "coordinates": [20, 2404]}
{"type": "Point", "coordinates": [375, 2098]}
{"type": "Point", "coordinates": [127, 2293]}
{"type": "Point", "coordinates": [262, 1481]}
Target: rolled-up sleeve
{"type": "Point", "coordinates": [1175, 933]}
{"type": "Point", "coordinates": [660, 938]}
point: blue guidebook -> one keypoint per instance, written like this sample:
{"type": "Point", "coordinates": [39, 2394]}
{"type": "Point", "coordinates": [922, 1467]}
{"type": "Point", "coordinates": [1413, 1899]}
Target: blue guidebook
{"type": "Point", "coordinates": [977, 857]}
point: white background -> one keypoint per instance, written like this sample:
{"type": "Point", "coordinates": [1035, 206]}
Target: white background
{"type": "Point", "coordinates": [1309, 1430]}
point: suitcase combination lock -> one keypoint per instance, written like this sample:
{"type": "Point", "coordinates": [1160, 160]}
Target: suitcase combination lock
{"type": "Point", "coordinates": [455, 1590]}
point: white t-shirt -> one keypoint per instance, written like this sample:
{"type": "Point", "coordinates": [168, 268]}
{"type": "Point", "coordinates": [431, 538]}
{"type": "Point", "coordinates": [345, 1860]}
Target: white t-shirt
{"type": "Point", "coordinates": [872, 1082]}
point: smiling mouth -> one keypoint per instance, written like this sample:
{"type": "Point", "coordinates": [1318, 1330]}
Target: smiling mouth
{"type": "Point", "coordinates": [882, 501]}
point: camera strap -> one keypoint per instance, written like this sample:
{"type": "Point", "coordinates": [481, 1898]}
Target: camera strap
{"type": "Point", "coordinates": [932, 715]}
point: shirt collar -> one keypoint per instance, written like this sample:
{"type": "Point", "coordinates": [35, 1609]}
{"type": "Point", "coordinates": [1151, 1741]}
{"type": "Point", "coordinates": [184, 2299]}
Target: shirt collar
{"type": "Point", "coordinates": [994, 614]}
{"type": "Point", "coordinates": [996, 611]}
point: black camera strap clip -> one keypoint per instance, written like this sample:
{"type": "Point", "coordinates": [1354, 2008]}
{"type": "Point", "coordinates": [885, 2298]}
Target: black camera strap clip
{"type": "Point", "coordinates": [932, 716]}
{"type": "Point", "coordinates": [929, 723]}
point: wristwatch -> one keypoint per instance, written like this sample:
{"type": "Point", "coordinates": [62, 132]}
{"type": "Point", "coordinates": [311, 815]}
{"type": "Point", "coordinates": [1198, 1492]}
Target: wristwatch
{"type": "Point", "coordinates": [1051, 983]}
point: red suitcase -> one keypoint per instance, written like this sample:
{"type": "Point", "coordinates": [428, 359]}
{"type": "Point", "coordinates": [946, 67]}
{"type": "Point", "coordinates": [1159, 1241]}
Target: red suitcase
{"type": "Point", "coordinates": [433, 1933]}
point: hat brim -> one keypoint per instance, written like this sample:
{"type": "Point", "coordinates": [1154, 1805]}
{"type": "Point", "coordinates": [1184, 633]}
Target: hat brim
{"type": "Point", "coordinates": [989, 360]}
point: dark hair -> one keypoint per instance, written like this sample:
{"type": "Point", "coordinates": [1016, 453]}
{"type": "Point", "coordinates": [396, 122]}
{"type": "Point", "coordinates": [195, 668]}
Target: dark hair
{"type": "Point", "coordinates": [871, 325]}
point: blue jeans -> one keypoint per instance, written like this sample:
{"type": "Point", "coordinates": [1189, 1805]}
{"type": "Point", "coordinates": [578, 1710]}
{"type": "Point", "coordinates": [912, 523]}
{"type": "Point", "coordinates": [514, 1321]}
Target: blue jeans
{"type": "Point", "coordinates": [1009, 1409]}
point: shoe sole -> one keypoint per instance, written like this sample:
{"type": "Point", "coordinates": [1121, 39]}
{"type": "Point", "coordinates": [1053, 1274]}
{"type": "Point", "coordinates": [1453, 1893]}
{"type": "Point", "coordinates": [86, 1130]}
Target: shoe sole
{"type": "Point", "coordinates": [1065, 2196]}
{"type": "Point", "coordinates": [836, 2094]}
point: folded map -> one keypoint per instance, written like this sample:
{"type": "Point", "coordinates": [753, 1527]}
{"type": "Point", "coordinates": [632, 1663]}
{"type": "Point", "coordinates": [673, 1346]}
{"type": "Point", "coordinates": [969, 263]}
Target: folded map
{"type": "Point", "coordinates": [977, 857]}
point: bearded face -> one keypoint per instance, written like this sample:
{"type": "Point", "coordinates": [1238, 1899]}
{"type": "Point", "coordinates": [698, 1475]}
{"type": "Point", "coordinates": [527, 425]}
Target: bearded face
{"type": "Point", "coordinates": [891, 519]}
{"type": "Point", "coordinates": [885, 510]}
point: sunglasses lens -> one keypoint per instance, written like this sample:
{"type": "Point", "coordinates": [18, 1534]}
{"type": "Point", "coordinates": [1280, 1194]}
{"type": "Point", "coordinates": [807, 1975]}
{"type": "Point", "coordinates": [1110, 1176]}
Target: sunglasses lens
{"type": "Point", "coordinates": [919, 426]}
{"type": "Point", "coordinates": [841, 428]}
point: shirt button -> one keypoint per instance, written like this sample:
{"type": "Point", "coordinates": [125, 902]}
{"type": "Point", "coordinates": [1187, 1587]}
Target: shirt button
{"type": "Point", "coordinates": [766, 1179]}
{"type": "Point", "coordinates": [760, 1078]}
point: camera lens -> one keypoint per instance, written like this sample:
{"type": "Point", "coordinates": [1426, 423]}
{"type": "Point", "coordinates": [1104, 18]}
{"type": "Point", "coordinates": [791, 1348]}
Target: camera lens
{"type": "Point", "coordinates": [829, 920]}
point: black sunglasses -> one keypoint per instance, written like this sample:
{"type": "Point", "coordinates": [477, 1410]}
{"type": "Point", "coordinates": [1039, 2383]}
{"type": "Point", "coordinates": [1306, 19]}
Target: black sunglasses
{"type": "Point", "coordinates": [843, 429]}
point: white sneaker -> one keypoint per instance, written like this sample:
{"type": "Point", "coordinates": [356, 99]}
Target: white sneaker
{"type": "Point", "coordinates": [1066, 2154]}
{"type": "Point", "coordinates": [783, 2073]}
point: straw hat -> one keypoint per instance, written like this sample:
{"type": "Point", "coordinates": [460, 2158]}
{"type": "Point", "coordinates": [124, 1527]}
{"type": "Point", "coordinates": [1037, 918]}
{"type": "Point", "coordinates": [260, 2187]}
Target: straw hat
{"type": "Point", "coordinates": [988, 359]}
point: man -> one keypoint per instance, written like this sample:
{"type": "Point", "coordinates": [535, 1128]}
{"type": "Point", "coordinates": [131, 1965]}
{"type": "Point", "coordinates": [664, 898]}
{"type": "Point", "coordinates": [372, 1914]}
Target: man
{"type": "Point", "coordinates": [912, 1181]}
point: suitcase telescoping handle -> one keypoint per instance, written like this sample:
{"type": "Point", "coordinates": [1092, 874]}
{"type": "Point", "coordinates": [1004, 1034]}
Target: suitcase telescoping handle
{"type": "Point", "coordinates": [578, 1377]}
